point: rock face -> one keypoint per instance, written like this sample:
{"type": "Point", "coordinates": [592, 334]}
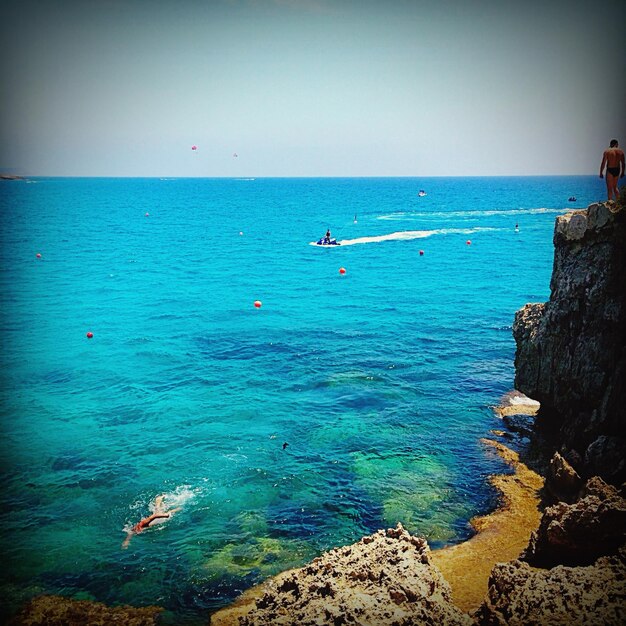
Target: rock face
{"type": "Point", "coordinates": [562, 480]}
{"type": "Point", "coordinates": [520, 595]}
{"type": "Point", "coordinates": [577, 534]}
{"type": "Point", "coordinates": [584, 544]}
{"type": "Point", "coordinates": [571, 351]}
{"type": "Point", "coordinates": [386, 578]}
{"type": "Point", "coordinates": [571, 357]}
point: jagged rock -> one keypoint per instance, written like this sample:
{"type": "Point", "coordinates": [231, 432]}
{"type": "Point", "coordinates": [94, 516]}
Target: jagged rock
{"type": "Point", "coordinates": [60, 611]}
{"type": "Point", "coordinates": [607, 456]}
{"type": "Point", "coordinates": [384, 579]}
{"type": "Point", "coordinates": [577, 534]}
{"type": "Point", "coordinates": [573, 458]}
{"type": "Point", "coordinates": [571, 351]}
{"type": "Point", "coordinates": [597, 487]}
{"type": "Point", "coordinates": [562, 480]}
{"type": "Point", "coordinates": [520, 424]}
{"type": "Point", "coordinates": [573, 596]}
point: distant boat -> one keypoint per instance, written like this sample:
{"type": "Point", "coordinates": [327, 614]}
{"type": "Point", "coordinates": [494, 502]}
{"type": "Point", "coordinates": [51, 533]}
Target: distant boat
{"type": "Point", "coordinates": [421, 193]}
{"type": "Point", "coordinates": [572, 199]}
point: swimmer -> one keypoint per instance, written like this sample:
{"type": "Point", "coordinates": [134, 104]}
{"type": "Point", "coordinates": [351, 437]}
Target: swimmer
{"type": "Point", "coordinates": [285, 445]}
{"type": "Point", "coordinates": [140, 526]}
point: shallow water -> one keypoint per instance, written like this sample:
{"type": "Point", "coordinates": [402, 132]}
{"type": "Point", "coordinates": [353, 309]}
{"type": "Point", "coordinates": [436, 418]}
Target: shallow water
{"type": "Point", "coordinates": [380, 380]}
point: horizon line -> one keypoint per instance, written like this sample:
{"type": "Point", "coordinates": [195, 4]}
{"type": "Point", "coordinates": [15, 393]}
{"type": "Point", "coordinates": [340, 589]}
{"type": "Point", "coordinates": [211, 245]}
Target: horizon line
{"type": "Point", "coordinates": [6, 176]}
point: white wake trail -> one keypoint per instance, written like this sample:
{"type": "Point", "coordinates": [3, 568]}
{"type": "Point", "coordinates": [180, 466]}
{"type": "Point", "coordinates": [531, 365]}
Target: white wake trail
{"type": "Point", "coordinates": [405, 235]}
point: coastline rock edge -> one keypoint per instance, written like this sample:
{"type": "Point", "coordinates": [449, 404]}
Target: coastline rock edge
{"type": "Point", "coordinates": [571, 350]}
{"type": "Point", "coordinates": [385, 578]}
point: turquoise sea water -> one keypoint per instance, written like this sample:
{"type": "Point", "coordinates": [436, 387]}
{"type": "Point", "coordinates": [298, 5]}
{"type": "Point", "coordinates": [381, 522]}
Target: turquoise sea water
{"type": "Point", "coordinates": [380, 379]}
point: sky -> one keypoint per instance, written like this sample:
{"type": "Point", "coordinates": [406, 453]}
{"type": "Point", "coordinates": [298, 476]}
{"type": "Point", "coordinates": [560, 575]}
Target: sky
{"type": "Point", "coordinates": [310, 87]}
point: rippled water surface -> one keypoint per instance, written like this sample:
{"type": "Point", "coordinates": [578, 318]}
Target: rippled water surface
{"type": "Point", "coordinates": [379, 380]}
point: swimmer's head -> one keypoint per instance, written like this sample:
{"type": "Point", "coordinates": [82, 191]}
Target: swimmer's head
{"type": "Point", "coordinates": [614, 143]}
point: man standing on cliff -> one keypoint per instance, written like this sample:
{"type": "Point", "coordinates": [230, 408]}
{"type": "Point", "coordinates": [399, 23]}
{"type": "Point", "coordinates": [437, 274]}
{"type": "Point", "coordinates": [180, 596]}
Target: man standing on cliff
{"type": "Point", "coordinates": [613, 158]}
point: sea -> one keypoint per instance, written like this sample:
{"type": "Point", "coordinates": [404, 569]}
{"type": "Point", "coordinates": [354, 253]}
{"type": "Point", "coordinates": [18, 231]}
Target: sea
{"type": "Point", "coordinates": [285, 397]}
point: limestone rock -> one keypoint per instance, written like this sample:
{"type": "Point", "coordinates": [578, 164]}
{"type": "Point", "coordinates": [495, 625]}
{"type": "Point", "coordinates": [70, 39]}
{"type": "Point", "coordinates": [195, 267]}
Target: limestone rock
{"type": "Point", "coordinates": [577, 534]}
{"type": "Point", "coordinates": [598, 215]}
{"type": "Point", "coordinates": [571, 351]}
{"type": "Point", "coordinates": [60, 611]}
{"type": "Point", "coordinates": [522, 425]}
{"type": "Point", "coordinates": [386, 578]}
{"type": "Point", "coordinates": [516, 403]}
{"type": "Point", "coordinates": [597, 487]}
{"type": "Point", "coordinates": [573, 225]}
{"type": "Point", "coordinates": [562, 480]}
{"type": "Point", "coordinates": [520, 595]}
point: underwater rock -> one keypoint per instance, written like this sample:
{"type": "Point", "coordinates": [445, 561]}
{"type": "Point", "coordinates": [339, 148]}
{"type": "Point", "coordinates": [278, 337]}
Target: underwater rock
{"type": "Point", "coordinates": [521, 424]}
{"type": "Point", "coordinates": [501, 535]}
{"type": "Point", "coordinates": [60, 611]}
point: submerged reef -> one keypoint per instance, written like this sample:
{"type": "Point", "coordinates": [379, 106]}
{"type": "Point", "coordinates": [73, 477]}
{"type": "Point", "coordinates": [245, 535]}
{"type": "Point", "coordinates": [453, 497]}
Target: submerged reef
{"type": "Point", "coordinates": [500, 535]}
{"type": "Point", "coordinates": [56, 610]}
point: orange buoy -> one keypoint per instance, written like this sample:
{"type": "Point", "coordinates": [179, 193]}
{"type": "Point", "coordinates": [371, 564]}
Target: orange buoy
{"type": "Point", "coordinates": [421, 253]}
{"type": "Point", "coordinates": [257, 304]}
{"type": "Point", "coordinates": [89, 335]}
{"type": "Point", "coordinates": [468, 242]}
{"type": "Point", "coordinates": [38, 255]}
{"type": "Point", "coordinates": [342, 270]}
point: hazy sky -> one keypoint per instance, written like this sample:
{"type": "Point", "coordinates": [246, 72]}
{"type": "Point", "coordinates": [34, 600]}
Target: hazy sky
{"type": "Point", "coordinates": [310, 87]}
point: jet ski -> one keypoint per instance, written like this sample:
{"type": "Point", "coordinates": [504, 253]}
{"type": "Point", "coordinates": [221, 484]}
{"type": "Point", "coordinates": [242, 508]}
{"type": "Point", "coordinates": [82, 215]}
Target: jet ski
{"type": "Point", "coordinates": [328, 242]}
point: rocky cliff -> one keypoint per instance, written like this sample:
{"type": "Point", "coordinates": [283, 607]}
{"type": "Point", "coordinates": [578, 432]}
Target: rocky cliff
{"type": "Point", "coordinates": [573, 571]}
{"type": "Point", "coordinates": [571, 351]}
